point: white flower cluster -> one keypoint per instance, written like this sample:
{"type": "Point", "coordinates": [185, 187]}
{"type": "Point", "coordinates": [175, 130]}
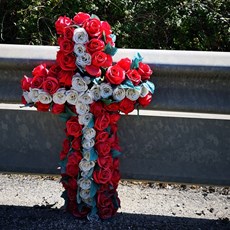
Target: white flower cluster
{"type": "Point", "coordinates": [35, 95]}
{"type": "Point", "coordinates": [80, 37]}
{"type": "Point", "coordinates": [82, 96]}
{"type": "Point", "coordinates": [86, 165]}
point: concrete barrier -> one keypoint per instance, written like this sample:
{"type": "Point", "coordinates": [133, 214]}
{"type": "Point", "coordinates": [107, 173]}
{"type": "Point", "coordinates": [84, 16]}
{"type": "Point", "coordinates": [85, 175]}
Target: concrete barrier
{"type": "Point", "coordinates": [184, 136]}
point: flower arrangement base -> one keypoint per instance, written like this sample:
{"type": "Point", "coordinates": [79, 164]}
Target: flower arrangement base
{"type": "Point", "coordinates": [90, 164]}
{"type": "Point", "coordinates": [88, 92]}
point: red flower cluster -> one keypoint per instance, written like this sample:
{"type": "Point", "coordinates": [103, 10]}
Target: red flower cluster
{"type": "Point", "coordinates": [116, 74]}
{"type": "Point", "coordinates": [47, 80]}
{"type": "Point", "coordinates": [98, 36]}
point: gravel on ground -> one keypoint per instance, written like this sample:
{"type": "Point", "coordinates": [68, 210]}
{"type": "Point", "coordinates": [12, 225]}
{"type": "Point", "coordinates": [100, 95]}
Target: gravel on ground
{"type": "Point", "coordinates": [34, 202]}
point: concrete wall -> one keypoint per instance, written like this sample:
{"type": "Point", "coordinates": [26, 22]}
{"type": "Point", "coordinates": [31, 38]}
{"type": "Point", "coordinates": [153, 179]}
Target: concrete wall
{"type": "Point", "coordinates": [184, 136]}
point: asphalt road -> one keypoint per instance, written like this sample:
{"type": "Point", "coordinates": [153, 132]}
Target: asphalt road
{"type": "Point", "coordinates": [34, 202]}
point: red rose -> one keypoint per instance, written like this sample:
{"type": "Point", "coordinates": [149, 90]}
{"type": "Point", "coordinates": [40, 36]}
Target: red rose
{"type": "Point", "coordinates": [61, 23]}
{"type": "Point", "coordinates": [66, 45]}
{"type": "Point", "coordinates": [105, 162]}
{"type": "Point", "coordinates": [106, 28]}
{"type": "Point", "coordinates": [76, 143]}
{"type": "Point", "coordinates": [101, 59]}
{"type": "Point", "coordinates": [40, 71]}
{"type": "Point", "coordinates": [103, 148]}
{"type": "Point", "coordinates": [113, 128]}
{"type": "Point", "coordinates": [115, 178]}
{"type": "Point", "coordinates": [92, 70]}
{"type": "Point", "coordinates": [54, 70]}
{"type": "Point", "coordinates": [73, 127]}
{"type": "Point", "coordinates": [116, 163]}
{"type": "Point", "coordinates": [37, 82]}
{"type": "Point", "coordinates": [102, 121]}
{"type": "Point", "coordinates": [68, 33]}
{"type": "Point", "coordinates": [125, 63]}
{"type": "Point", "coordinates": [42, 107]}
{"type": "Point", "coordinates": [102, 136]}
{"type": "Point", "coordinates": [115, 75]}
{"type": "Point", "coordinates": [62, 155]}
{"type": "Point", "coordinates": [104, 201]}
{"type": "Point", "coordinates": [93, 27]}
{"type": "Point", "coordinates": [65, 78]}
{"type": "Point", "coordinates": [95, 45]}
{"type": "Point", "coordinates": [145, 71]}
{"type": "Point", "coordinates": [133, 76]}
{"type": "Point", "coordinates": [82, 213]}
{"type": "Point", "coordinates": [127, 106]}
{"type": "Point", "coordinates": [80, 18]}
{"type": "Point", "coordinates": [26, 83]}
{"type": "Point", "coordinates": [102, 176]}
{"type": "Point", "coordinates": [66, 61]}
{"type": "Point", "coordinates": [106, 213]}
{"type": "Point", "coordinates": [72, 183]}
{"type": "Point", "coordinates": [104, 188]}
{"type": "Point", "coordinates": [57, 109]}
{"type": "Point", "coordinates": [114, 118]}
{"type": "Point", "coordinates": [66, 145]}
{"type": "Point", "coordinates": [144, 101]}
{"type": "Point", "coordinates": [72, 194]}
{"type": "Point", "coordinates": [72, 167]}
{"type": "Point", "coordinates": [96, 108]}
{"type": "Point", "coordinates": [115, 145]}
{"type": "Point", "coordinates": [108, 39]}
{"type": "Point", "coordinates": [113, 107]}
{"type": "Point", "coordinates": [113, 140]}
{"type": "Point", "coordinates": [50, 85]}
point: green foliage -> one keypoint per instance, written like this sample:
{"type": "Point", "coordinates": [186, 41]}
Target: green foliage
{"type": "Point", "coordinates": [151, 24]}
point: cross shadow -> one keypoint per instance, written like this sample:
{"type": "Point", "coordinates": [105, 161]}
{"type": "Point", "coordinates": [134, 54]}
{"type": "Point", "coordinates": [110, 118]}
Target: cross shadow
{"type": "Point", "coordinates": [45, 217]}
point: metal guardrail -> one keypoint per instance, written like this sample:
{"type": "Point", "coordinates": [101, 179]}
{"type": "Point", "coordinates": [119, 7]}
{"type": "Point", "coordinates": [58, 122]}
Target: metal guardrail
{"type": "Point", "coordinates": [184, 136]}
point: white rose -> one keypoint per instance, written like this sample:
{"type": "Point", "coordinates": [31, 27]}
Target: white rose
{"type": "Point", "coordinates": [86, 98]}
{"type": "Point", "coordinates": [33, 94]}
{"type": "Point", "coordinates": [96, 92]}
{"type": "Point", "coordinates": [85, 194]}
{"type": "Point", "coordinates": [144, 91]}
{"type": "Point", "coordinates": [59, 97]}
{"type": "Point", "coordinates": [82, 108]}
{"type": "Point", "coordinates": [79, 49]}
{"type": "Point", "coordinates": [106, 90]}
{"type": "Point", "coordinates": [88, 143]}
{"type": "Point", "coordinates": [78, 83]}
{"type": "Point", "coordinates": [86, 154]}
{"type": "Point", "coordinates": [84, 59]}
{"type": "Point", "coordinates": [87, 80]}
{"type": "Point", "coordinates": [85, 165]}
{"type": "Point", "coordinates": [89, 133]}
{"type": "Point", "coordinates": [132, 94]}
{"type": "Point", "coordinates": [84, 183]}
{"type": "Point", "coordinates": [44, 97]}
{"type": "Point", "coordinates": [71, 96]}
{"type": "Point", "coordinates": [118, 94]}
{"type": "Point", "coordinates": [80, 36]}
{"type": "Point", "coordinates": [26, 96]}
{"type": "Point", "coordinates": [84, 119]}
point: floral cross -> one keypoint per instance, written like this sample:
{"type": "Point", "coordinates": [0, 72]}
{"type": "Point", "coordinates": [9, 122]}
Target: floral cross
{"type": "Point", "coordinates": [88, 92]}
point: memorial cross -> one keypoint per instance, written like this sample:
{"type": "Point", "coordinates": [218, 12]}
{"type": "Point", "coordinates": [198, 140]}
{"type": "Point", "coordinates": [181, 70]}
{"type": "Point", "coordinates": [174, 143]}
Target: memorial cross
{"type": "Point", "coordinates": [88, 92]}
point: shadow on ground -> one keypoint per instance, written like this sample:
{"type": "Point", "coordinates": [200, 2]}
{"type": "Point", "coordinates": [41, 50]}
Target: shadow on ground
{"type": "Point", "coordinates": [44, 217]}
